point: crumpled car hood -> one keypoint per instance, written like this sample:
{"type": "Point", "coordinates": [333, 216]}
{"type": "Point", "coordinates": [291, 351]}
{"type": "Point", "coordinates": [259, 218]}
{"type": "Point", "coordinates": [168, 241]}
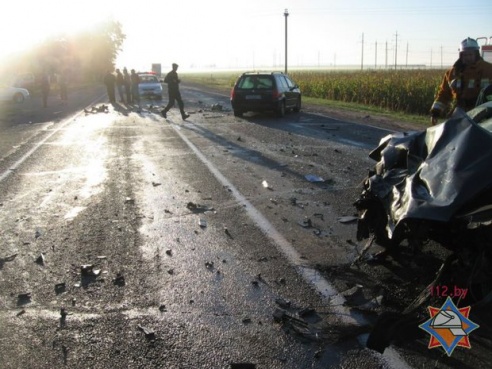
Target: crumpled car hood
{"type": "Point", "coordinates": [437, 173]}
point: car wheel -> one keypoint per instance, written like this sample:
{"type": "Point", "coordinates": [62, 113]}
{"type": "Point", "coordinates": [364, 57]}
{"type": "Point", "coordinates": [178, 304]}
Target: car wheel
{"type": "Point", "coordinates": [238, 113]}
{"type": "Point", "coordinates": [18, 98]}
{"type": "Point", "coordinates": [281, 109]}
{"type": "Point", "coordinates": [297, 107]}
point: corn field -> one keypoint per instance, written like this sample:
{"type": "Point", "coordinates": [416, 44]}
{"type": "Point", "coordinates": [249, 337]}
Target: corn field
{"type": "Point", "coordinates": [407, 91]}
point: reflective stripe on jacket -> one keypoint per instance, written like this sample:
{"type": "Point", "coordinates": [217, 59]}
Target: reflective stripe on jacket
{"type": "Point", "coordinates": [462, 88]}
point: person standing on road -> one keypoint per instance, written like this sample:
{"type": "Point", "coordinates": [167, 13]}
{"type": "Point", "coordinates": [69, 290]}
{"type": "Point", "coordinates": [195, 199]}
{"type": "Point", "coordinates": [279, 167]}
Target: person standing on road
{"type": "Point", "coordinates": [128, 83]}
{"type": "Point", "coordinates": [462, 83]}
{"type": "Point", "coordinates": [109, 81]}
{"type": "Point", "coordinates": [45, 88]}
{"type": "Point", "coordinates": [135, 82]}
{"type": "Point", "coordinates": [120, 83]}
{"type": "Point", "coordinates": [63, 84]}
{"type": "Point", "coordinates": [173, 81]}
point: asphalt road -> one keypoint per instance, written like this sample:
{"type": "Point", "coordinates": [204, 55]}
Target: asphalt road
{"type": "Point", "coordinates": [131, 241]}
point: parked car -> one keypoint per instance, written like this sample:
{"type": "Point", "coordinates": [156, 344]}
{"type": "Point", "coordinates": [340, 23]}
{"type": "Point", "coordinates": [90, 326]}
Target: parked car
{"type": "Point", "coordinates": [150, 86]}
{"type": "Point", "coordinates": [265, 91]}
{"type": "Point", "coordinates": [13, 94]}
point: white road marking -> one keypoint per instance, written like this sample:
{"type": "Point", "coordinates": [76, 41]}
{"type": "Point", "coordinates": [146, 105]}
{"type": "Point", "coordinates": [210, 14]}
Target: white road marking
{"type": "Point", "coordinates": [391, 357]}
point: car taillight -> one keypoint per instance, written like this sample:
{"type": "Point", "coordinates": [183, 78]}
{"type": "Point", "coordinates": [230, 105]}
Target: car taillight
{"type": "Point", "coordinates": [276, 94]}
{"type": "Point", "coordinates": [232, 93]}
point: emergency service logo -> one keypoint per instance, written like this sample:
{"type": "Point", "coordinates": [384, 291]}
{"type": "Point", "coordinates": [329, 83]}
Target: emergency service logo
{"type": "Point", "coordinates": [449, 326]}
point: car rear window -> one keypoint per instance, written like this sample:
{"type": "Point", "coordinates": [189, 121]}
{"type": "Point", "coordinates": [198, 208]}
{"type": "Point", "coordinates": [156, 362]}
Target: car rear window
{"type": "Point", "coordinates": [255, 82]}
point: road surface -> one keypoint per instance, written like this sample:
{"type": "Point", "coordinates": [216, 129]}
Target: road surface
{"type": "Point", "coordinates": [133, 241]}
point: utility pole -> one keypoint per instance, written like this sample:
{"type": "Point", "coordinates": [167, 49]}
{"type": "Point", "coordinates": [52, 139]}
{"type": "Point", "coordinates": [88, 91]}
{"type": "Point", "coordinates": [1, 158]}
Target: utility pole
{"type": "Point", "coordinates": [396, 49]}
{"type": "Point", "coordinates": [286, 14]}
{"type": "Point", "coordinates": [376, 56]}
{"type": "Point", "coordinates": [406, 58]}
{"type": "Point", "coordinates": [441, 56]}
{"type": "Point", "coordinates": [386, 56]}
{"type": "Point", "coordinates": [362, 57]}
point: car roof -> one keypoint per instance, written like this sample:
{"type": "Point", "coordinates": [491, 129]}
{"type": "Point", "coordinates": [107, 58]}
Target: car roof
{"type": "Point", "coordinates": [262, 73]}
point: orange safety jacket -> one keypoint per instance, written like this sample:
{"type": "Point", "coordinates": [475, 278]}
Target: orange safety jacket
{"type": "Point", "coordinates": [462, 87]}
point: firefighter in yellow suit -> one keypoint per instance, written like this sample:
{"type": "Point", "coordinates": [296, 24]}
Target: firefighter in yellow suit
{"type": "Point", "coordinates": [463, 83]}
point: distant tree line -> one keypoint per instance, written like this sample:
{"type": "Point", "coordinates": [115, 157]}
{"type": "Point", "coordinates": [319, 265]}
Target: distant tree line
{"type": "Point", "coordinates": [86, 56]}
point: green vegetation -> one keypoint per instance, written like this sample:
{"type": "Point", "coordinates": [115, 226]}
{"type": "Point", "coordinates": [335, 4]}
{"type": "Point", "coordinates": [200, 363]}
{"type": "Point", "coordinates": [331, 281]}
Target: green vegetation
{"type": "Point", "coordinates": [404, 94]}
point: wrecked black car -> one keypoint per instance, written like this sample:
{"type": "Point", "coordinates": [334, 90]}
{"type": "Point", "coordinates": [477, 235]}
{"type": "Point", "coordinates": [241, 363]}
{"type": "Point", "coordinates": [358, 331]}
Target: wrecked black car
{"type": "Point", "coordinates": [434, 186]}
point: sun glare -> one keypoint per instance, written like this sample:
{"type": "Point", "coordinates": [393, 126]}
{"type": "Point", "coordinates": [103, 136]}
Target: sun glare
{"type": "Point", "coordinates": [24, 27]}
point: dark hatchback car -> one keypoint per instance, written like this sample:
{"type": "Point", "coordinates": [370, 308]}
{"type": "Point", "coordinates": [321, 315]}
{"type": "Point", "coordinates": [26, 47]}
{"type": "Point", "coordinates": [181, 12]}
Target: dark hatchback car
{"type": "Point", "coordinates": [267, 91]}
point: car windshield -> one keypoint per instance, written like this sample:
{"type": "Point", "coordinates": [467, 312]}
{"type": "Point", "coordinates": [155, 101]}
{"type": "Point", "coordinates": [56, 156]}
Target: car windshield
{"type": "Point", "coordinates": [255, 82]}
{"type": "Point", "coordinates": [148, 79]}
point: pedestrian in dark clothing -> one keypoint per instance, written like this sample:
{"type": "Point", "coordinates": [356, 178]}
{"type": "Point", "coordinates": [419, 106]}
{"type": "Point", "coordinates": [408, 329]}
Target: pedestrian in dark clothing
{"type": "Point", "coordinates": [120, 83]}
{"type": "Point", "coordinates": [63, 83]}
{"type": "Point", "coordinates": [135, 82]}
{"type": "Point", "coordinates": [45, 88]}
{"type": "Point", "coordinates": [128, 83]}
{"type": "Point", "coordinates": [173, 81]}
{"type": "Point", "coordinates": [109, 81]}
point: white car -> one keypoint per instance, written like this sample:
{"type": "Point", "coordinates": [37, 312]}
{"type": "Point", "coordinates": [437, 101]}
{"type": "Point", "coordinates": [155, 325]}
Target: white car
{"type": "Point", "coordinates": [150, 86]}
{"type": "Point", "coordinates": [13, 94]}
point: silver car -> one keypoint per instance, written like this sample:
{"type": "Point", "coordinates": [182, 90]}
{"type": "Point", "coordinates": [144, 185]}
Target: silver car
{"type": "Point", "coordinates": [13, 94]}
{"type": "Point", "coordinates": [149, 86]}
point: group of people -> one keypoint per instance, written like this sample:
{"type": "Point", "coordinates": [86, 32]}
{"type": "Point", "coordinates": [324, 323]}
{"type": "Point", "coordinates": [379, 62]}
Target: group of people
{"type": "Point", "coordinates": [461, 86]}
{"type": "Point", "coordinates": [127, 86]}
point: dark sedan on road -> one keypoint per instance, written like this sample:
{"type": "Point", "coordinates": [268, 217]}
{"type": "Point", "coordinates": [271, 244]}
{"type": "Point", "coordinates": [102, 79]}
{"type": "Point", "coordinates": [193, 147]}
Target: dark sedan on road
{"type": "Point", "coordinates": [268, 91]}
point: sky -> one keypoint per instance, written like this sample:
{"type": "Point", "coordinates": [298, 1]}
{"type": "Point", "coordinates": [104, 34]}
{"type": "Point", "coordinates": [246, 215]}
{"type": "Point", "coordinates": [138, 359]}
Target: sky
{"type": "Point", "coordinates": [228, 34]}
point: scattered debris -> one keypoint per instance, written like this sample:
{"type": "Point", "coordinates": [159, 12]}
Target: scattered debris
{"type": "Point", "coordinates": [246, 320]}
{"type": "Point", "coordinates": [40, 259]}
{"type": "Point", "coordinates": [7, 259]}
{"type": "Point", "coordinates": [149, 333]}
{"type": "Point", "coordinates": [169, 252]}
{"type": "Point", "coordinates": [60, 288]}
{"type": "Point", "coordinates": [226, 231]}
{"type": "Point", "coordinates": [197, 208]}
{"type": "Point", "coordinates": [266, 185]}
{"type": "Point", "coordinates": [209, 264]}
{"type": "Point", "coordinates": [348, 219]}
{"type": "Point", "coordinates": [162, 308]}
{"type": "Point", "coordinates": [284, 304]}
{"type": "Point", "coordinates": [37, 234]}
{"type": "Point", "coordinates": [129, 200]}
{"type": "Point", "coordinates": [87, 270]}
{"type": "Point", "coordinates": [119, 280]}
{"type": "Point", "coordinates": [202, 223]}
{"type": "Point", "coordinates": [306, 223]}
{"type": "Point", "coordinates": [23, 311]}
{"type": "Point", "coordinates": [97, 109]}
{"type": "Point", "coordinates": [217, 107]}
{"type": "Point", "coordinates": [313, 178]}
{"type": "Point", "coordinates": [24, 298]}
{"type": "Point", "coordinates": [155, 184]}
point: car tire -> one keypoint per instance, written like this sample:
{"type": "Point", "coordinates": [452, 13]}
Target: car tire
{"type": "Point", "coordinates": [281, 109]}
{"type": "Point", "coordinates": [297, 107]}
{"type": "Point", "coordinates": [238, 113]}
{"type": "Point", "coordinates": [18, 98]}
